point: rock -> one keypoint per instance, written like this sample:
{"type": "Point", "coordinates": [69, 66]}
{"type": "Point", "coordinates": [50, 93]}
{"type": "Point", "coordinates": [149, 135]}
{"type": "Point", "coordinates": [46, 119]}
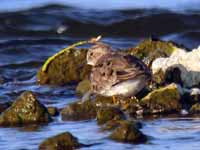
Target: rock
{"type": "Point", "coordinates": [53, 111]}
{"type": "Point", "coordinates": [195, 109]}
{"type": "Point", "coordinates": [4, 106]}
{"type": "Point", "coordinates": [105, 114]}
{"type": "Point", "coordinates": [113, 124]}
{"type": "Point", "coordinates": [66, 68]}
{"type": "Point", "coordinates": [149, 50]}
{"type": "Point", "coordinates": [63, 141]}
{"type": "Point", "coordinates": [127, 132]}
{"type": "Point", "coordinates": [162, 100]}
{"type": "Point", "coordinates": [25, 110]}
{"type": "Point", "coordinates": [181, 67]}
{"type": "Point", "coordinates": [79, 111]}
{"type": "Point", "coordinates": [83, 87]}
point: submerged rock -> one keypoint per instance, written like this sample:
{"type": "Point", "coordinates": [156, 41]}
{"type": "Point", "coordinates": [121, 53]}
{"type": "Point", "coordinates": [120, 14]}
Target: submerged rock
{"type": "Point", "coordinates": [128, 132]}
{"type": "Point", "coordinates": [181, 67]}
{"type": "Point", "coordinates": [149, 50]}
{"type": "Point", "coordinates": [53, 111]}
{"type": "Point", "coordinates": [79, 111]}
{"type": "Point", "coordinates": [83, 87]}
{"type": "Point", "coordinates": [63, 141]}
{"type": "Point", "coordinates": [162, 100]}
{"type": "Point", "coordinates": [25, 110]}
{"type": "Point", "coordinates": [105, 114]}
{"type": "Point", "coordinates": [66, 68]}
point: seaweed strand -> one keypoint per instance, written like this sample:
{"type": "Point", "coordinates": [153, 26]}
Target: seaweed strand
{"type": "Point", "coordinates": [50, 59]}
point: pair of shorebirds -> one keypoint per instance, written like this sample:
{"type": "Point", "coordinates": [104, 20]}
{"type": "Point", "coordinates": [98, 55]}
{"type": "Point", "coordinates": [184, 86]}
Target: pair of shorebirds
{"type": "Point", "coordinates": [115, 73]}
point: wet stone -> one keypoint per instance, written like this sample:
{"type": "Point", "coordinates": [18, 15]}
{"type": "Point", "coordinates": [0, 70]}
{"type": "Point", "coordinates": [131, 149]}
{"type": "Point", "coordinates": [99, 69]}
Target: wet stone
{"type": "Point", "coordinates": [127, 132]}
{"type": "Point", "coordinates": [53, 111]}
{"type": "Point", "coordinates": [25, 110]}
{"type": "Point", "coordinates": [162, 100]}
{"type": "Point", "coordinates": [195, 109]}
{"type": "Point", "coordinates": [79, 111]}
{"type": "Point", "coordinates": [105, 114]}
{"type": "Point", "coordinates": [67, 68]}
{"type": "Point", "coordinates": [63, 141]}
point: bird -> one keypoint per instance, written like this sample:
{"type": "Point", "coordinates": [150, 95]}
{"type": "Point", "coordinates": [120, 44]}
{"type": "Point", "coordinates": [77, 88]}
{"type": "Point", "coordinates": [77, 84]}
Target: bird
{"type": "Point", "coordinates": [115, 73]}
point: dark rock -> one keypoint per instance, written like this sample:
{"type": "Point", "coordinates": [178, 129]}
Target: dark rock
{"type": "Point", "coordinates": [53, 111]}
{"type": "Point", "coordinates": [25, 110]}
{"type": "Point", "coordinates": [63, 141]}
{"type": "Point", "coordinates": [105, 114]}
{"type": "Point", "coordinates": [128, 132]}
{"type": "Point", "coordinates": [162, 100]}
{"type": "Point", "coordinates": [79, 111]}
{"type": "Point", "coordinates": [66, 68]}
{"type": "Point", "coordinates": [83, 87]}
{"type": "Point", "coordinates": [4, 106]}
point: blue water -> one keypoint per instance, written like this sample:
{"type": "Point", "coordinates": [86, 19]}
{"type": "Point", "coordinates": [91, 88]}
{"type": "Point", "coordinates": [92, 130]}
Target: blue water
{"type": "Point", "coordinates": [31, 31]}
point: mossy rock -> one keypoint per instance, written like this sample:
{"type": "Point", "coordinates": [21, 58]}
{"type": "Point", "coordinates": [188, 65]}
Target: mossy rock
{"type": "Point", "coordinates": [25, 110]}
{"type": "Point", "coordinates": [105, 114]}
{"type": "Point", "coordinates": [127, 132]}
{"type": "Point", "coordinates": [102, 101]}
{"type": "Point", "coordinates": [53, 111]}
{"type": "Point", "coordinates": [83, 87]}
{"type": "Point", "coordinates": [149, 50]}
{"type": "Point", "coordinates": [63, 141]}
{"type": "Point", "coordinates": [67, 68]}
{"type": "Point", "coordinates": [195, 109]}
{"type": "Point", "coordinates": [162, 100]}
{"type": "Point", "coordinates": [113, 124]}
{"type": "Point", "coordinates": [79, 111]}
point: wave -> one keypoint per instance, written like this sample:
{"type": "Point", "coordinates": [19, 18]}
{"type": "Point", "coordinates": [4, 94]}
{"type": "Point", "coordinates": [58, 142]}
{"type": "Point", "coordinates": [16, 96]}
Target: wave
{"type": "Point", "coordinates": [173, 5]}
{"type": "Point", "coordinates": [54, 20]}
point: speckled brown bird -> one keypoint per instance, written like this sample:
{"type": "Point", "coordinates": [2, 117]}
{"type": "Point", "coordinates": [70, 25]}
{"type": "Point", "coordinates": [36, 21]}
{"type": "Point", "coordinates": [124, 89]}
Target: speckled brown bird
{"type": "Point", "coordinates": [116, 73]}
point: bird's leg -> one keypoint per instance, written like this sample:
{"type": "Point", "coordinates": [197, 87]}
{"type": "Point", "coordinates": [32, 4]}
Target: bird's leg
{"type": "Point", "coordinates": [114, 99]}
{"type": "Point", "coordinates": [86, 96]}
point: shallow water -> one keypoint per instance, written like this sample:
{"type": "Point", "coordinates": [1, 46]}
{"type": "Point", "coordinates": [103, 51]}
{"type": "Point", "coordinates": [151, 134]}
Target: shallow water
{"type": "Point", "coordinates": [28, 36]}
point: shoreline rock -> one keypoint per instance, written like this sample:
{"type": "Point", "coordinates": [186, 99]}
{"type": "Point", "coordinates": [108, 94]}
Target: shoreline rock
{"type": "Point", "coordinates": [25, 110]}
{"type": "Point", "coordinates": [62, 141]}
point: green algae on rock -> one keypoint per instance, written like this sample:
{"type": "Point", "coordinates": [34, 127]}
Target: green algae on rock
{"type": "Point", "coordinates": [149, 49]}
{"type": "Point", "coordinates": [83, 87]}
{"type": "Point", "coordinates": [162, 100]}
{"type": "Point", "coordinates": [105, 114]}
{"type": "Point", "coordinates": [79, 111]}
{"type": "Point", "coordinates": [25, 110]}
{"type": "Point", "coordinates": [63, 141]}
{"type": "Point", "coordinates": [69, 67]}
{"type": "Point", "coordinates": [128, 132]}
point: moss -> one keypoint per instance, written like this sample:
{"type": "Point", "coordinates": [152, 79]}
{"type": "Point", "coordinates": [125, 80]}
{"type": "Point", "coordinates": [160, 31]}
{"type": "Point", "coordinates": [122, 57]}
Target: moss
{"type": "Point", "coordinates": [25, 110]}
{"type": "Point", "coordinates": [83, 87]}
{"type": "Point", "coordinates": [163, 100]}
{"type": "Point", "coordinates": [105, 114]}
{"type": "Point", "coordinates": [63, 141]}
{"type": "Point", "coordinates": [149, 49]}
{"type": "Point", "coordinates": [79, 111]}
{"type": "Point", "coordinates": [66, 68]}
{"type": "Point", "coordinates": [128, 132]}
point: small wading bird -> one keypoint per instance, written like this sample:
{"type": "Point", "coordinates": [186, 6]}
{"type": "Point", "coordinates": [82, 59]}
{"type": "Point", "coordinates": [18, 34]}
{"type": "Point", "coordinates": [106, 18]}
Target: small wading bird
{"type": "Point", "coordinates": [114, 73]}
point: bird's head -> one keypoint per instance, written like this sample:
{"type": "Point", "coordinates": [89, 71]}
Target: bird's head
{"type": "Point", "coordinates": [96, 52]}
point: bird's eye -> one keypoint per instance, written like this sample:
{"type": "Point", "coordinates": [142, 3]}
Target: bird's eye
{"type": "Point", "coordinates": [91, 54]}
